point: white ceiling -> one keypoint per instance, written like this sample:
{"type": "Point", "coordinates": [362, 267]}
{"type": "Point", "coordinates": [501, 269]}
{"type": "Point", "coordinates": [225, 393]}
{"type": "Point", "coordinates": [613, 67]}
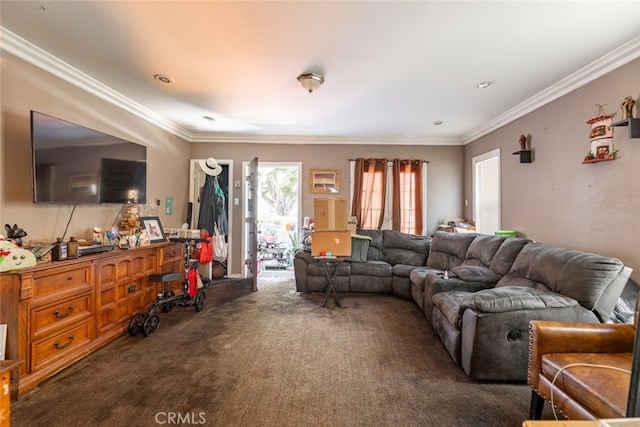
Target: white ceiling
{"type": "Point", "coordinates": [391, 68]}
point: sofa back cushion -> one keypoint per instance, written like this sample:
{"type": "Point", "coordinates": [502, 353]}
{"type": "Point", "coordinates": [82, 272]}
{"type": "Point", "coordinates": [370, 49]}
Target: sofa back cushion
{"type": "Point", "coordinates": [505, 255]}
{"type": "Point", "coordinates": [582, 276]}
{"type": "Point", "coordinates": [404, 248]}
{"type": "Point", "coordinates": [482, 250]}
{"type": "Point", "coordinates": [448, 250]}
{"type": "Point", "coordinates": [374, 252]}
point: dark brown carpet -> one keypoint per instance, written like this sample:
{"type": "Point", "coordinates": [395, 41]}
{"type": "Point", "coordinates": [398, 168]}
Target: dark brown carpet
{"type": "Point", "coordinates": [275, 358]}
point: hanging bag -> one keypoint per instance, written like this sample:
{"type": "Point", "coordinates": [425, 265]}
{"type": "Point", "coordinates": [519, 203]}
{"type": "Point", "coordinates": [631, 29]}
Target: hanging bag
{"type": "Point", "coordinates": [220, 245]}
{"type": "Point", "coordinates": [206, 248]}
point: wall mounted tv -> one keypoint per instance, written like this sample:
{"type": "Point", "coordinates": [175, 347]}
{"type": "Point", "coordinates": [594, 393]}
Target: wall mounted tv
{"type": "Point", "coordinates": [74, 164]}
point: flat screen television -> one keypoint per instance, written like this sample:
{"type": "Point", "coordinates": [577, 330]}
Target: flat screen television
{"type": "Point", "coordinates": [74, 164]}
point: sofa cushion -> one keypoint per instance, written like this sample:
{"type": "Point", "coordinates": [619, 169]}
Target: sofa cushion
{"type": "Point", "coordinates": [472, 273]}
{"type": "Point", "coordinates": [579, 275]}
{"type": "Point", "coordinates": [318, 269]}
{"type": "Point", "coordinates": [482, 250]}
{"type": "Point", "coordinates": [371, 268]}
{"type": "Point", "coordinates": [515, 298]}
{"type": "Point", "coordinates": [448, 250]}
{"type": "Point", "coordinates": [505, 255]}
{"type": "Point", "coordinates": [581, 383]}
{"type": "Point", "coordinates": [402, 270]}
{"type": "Point", "coordinates": [403, 248]}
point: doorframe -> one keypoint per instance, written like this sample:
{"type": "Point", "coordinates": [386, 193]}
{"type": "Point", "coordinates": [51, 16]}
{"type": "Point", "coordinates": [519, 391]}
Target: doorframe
{"type": "Point", "coordinates": [298, 165]}
{"type": "Point", "coordinates": [194, 167]}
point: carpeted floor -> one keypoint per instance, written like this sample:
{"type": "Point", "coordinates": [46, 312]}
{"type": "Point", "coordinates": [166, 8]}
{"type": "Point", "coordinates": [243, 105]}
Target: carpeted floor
{"type": "Point", "coordinates": [275, 358]}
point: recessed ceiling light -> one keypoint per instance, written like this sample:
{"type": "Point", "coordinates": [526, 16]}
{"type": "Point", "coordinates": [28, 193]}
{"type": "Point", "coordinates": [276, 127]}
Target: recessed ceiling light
{"type": "Point", "coordinates": [438, 122]}
{"type": "Point", "coordinates": [484, 84]}
{"type": "Point", "coordinates": [163, 78]}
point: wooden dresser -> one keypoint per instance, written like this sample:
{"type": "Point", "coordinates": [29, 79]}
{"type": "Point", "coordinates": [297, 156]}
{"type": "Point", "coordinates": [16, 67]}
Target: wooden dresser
{"type": "Point", "coordinates": [59, 312]}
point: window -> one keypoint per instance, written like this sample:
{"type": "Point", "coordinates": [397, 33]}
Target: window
{"type": "Point", "coordinates": [377, 189]}
{"type": "Point", "coordinates": [486, 192]}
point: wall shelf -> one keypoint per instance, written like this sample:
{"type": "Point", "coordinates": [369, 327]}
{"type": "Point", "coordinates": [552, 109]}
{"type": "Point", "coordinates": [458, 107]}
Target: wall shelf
{"type": "Point", "coordinates": [633, 124]}
{"type": "Point", "coordinates": [596, 161]}
{"type": "Point", "coordinates": [525, 156]}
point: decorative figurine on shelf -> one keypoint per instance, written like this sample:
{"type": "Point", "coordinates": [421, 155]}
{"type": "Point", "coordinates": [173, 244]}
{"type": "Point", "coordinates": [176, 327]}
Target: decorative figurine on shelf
{"type": "Point", "coordinates": [523, 143]}
{"type": "Point", "coordinates": [627, 108]}
{"type": "Point", "coordinates": [601, 136]}
{"type": "Point", "coordinates": [131, 218]}
{"type": "Point", "coordinates": [97, 235]}
{"type": "Point", "coordinates": [15, 234]}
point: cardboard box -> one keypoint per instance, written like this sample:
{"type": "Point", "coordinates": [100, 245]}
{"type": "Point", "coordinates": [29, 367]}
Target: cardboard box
{"type": "Point", "coordinates": [330, 214]}
{"type": "Point", "coordinates": [336, 242]}
{"type": "Point", "coordinates": [352, 224]}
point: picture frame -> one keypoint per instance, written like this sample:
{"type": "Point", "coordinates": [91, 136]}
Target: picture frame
{"type": "Point", "coordinates": [324, 181]}
{"type": "Point", "coordinates": [153, 226]}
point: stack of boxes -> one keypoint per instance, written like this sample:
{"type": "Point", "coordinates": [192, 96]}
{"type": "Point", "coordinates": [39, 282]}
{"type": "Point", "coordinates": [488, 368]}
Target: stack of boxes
{"type": "Point", "coordinates": [332, 236]}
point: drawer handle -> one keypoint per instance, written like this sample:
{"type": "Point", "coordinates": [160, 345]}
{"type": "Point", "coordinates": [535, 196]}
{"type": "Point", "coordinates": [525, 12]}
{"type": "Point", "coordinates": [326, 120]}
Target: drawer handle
{"type": "Point", "coordinates": [59, 346]}
{"type": "Point", "coordinates": [63, 315]}
{"type": "Point", "coordinates": [70, 277]}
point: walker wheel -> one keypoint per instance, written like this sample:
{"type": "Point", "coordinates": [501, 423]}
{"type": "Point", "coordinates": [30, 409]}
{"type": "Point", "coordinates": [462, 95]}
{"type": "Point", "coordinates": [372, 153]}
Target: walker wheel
{"type": "Point", "coordinates": [201, 296]}
{"type": "Point", "coordinates": [168, 306]}
{"type": "Point", "coordinates": [135, 326]}
{"type": "Point", "coordinates": [151, 325]}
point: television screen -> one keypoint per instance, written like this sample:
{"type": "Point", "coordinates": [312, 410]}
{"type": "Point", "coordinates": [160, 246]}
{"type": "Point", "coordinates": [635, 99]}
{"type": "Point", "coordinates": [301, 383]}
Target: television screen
{"type": "Point", "coordinates": [74, 164]}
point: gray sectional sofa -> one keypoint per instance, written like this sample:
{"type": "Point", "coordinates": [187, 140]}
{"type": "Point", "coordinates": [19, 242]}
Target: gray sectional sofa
{"type": "Point", "coordinates": [391, 257]}
{"type": "Point", "coordinates": [480, 292]}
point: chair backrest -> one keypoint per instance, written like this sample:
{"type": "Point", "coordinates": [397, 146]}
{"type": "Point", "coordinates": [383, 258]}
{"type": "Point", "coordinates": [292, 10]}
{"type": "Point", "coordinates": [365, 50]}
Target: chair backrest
{"type": "Point", "coordinates": [633, 402]}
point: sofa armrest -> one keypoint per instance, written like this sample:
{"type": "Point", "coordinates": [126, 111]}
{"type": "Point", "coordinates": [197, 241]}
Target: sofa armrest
{"type": "Point", "coordinates": [305, 256]}
{"type": "Point", "coordinates": [547, 336]}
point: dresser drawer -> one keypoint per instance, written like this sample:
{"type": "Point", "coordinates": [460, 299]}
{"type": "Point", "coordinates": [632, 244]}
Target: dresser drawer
{"type": "Point", "coordinates": [59, 346]}
{"type": "Point", "coordinates": [172, 251]}
{"type": "Point", "coordinates": [69, 280]}
{"type": "Point", "coordinates": [46, 319]}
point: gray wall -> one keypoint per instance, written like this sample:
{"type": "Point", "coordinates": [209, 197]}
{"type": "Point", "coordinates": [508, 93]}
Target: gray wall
{"type": "Point", "coordinates": [557, 199]}
{"type": "Point", "coordinates": [25, 88]}
{"type": "Point", "coordinates": [444, 173]}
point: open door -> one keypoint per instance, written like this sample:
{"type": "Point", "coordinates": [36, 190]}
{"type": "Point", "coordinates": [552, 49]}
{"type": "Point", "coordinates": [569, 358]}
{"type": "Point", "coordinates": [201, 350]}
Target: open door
{"type": "Point", "coordinates": [251, 222]}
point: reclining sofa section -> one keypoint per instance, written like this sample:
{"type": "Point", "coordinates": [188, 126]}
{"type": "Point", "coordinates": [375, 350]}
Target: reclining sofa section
{"type": "Point", "coordinates": [391, 258]}
{"type": "Point", "coordinates": [497, 285]}
{"type": "Point", "coordinates": [480, 292]}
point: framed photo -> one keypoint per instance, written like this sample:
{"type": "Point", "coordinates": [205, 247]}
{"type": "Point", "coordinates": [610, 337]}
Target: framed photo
{"type": "Point", "coordinates": [324, 181]}
{"type": "Point", "coordinates": [154, 228]}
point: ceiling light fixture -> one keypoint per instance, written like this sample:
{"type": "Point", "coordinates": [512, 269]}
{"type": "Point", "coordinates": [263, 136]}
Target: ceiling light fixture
{"type": "Point", "coordinates": [438, 122]}
{"type": "Point", "coordinates": [162, 78]}
{"type": "Point", "coordinates": [484, 84]}
{"type": "Point", "coordinates": [310, 81]}
{"type": "Point", "coordinates": [209, 119]}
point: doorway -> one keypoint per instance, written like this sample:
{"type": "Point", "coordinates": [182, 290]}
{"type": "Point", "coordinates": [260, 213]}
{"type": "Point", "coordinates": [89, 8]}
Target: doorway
{"type": "Point", "coordinates": [196, 183]}
{"type": "Point", "coordinates": [278, 221]}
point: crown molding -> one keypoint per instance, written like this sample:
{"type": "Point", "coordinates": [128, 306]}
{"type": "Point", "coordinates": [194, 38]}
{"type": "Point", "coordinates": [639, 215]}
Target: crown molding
{"type": "Point", "coordinates": [31, 53]}
{"type": "Point", "coordinates": [328, 140]}
{"type": "Point", "coordinates": [27, 51]}
{"type": "Point", "coordinates": [611, 61]}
